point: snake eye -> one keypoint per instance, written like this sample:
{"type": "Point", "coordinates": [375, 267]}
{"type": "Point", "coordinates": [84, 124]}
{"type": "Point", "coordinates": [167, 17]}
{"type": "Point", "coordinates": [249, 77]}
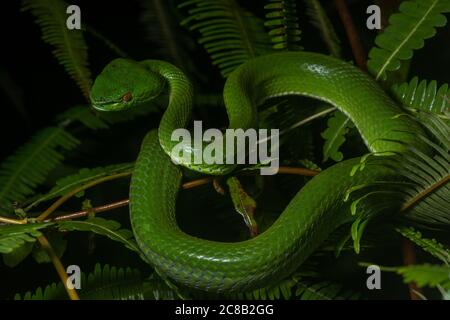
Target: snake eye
{"type": "Point", "coordinates": [127, 97]}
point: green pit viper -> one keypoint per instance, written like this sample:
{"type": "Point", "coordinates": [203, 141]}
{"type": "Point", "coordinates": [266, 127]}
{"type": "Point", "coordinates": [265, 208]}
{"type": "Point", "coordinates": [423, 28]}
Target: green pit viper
{"type": "Point", "coordinates": [316, 210]}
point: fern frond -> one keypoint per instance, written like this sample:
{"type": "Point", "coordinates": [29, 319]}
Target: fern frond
{"type": "Point", "coordinates": [282, 22]}
{"type": "Point", "coordinates": [431, 246]}
{"type": "Point", "coordinates": [161, 29]}
{"type": "Point", "coordinates": [282, 290]}
{"type": "Point", "coordinates": [107, 42]}
{"type": "Point", "coordinates": [424, 95]}
{"type": "Point", "coordinates": [407, 30]}
{"type": "Point", "coordinates": [425, 275]}
{"type": "Point", "coordinates": [321, 21]}
{"type": "Point", "coordinates": [105, 283]}
{"type": "Point", "coordinates": [28, 167]}
{"type": "Point", "coordinates": [420, 191]}
{"type": "Point", "coordinates": [229, 34]}
{"type": "Point", "coordinates": [295, 287]}
{"type": "Point", "coordinates": [324, 290]}
{"type": "Point", "coordinates": [84, 115]}
{"type": "Point", "coordinates": [108, 228]}
{"type": "Point", "coordinates": [69, 46]}
{"type": "Point", "coordinates": [84, 176]}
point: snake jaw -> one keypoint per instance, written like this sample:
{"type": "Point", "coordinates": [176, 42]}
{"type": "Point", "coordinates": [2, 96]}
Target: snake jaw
{"type": "Point", "coordinates": [109, 106]}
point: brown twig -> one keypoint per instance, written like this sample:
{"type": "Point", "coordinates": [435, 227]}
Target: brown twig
{"type": "Point", "coordinates": [72, 293]}
{"type": "Point", "coordinates": [298, 171]}
{"type": "Point", "coordinates": [197, 183]}
{"type": "Point", "coordinates": [103, 208]}
{"type": "Point", "coordinates": [125, 202]}
{"type": "Point", "coordinates": [73, 192]}
{"type": "Point", "coordinates": [409, 258]}
{"type": "Point", "coordinates": [352, 34]}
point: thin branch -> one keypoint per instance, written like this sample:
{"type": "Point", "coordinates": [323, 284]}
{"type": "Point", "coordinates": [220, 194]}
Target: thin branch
{"type": "Point", "coordinates": [298, 171]}
{"type": "Point", "coordinates": [424, 193]}
{"type": "Point", "coordinates": [72, 293]}
{"type": "Point", "coordinates": [125, 202]}
{"type": "Point", "coordinates": [197, 183]}
{"type": "Point", "coordinates": [103, 208]}
{"type": "Point", "coordinates": [306, 120]}
{"type": "Point", "coordinates": [352, 34]}
{"type": "Point", "coordinates": [73, 192]}
{"type": "Point", "coordinates": [6, 220]}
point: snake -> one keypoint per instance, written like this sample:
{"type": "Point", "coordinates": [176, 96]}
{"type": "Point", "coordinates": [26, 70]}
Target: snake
{"type": "Point", "coordinates": [312, 214]}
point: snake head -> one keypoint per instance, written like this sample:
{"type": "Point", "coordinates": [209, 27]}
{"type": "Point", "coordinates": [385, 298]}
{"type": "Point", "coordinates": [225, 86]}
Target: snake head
{"type": "Point", "coordinates": [124, 84]}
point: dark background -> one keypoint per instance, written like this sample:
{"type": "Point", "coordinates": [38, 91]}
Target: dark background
{"type": "Point", "coordinates": [34, 88]}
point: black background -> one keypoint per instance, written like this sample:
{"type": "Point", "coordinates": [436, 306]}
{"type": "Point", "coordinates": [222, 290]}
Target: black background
{"type": "Point", "coordinates": [44, 90]}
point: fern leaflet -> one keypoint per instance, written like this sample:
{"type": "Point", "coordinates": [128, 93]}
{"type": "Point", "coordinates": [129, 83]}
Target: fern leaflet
{"type": "Point", "coordinates": [70, 48]}
{"type": "Point", "coordinates": [282, 21]}
{"type": "Point", "coordinates": [29, 166]}
{"type": "Point", "coordinates": [229, 34]}
{"type": "Point", "coordinates": [407, 30]}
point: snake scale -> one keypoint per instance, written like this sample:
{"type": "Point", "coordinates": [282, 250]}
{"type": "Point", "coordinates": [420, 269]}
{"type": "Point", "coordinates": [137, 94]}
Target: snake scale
{"type": "Point", "coordinates": [316, 210]}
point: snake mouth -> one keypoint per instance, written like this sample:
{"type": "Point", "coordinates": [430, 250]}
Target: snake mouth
{"type": "Point", "coordinates": [108, 106]}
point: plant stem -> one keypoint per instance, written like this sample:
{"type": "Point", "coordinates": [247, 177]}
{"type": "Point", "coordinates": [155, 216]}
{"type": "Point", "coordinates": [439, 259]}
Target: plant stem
{"type": "Point", "coordinates": [125, 202]}
{"type": "Point", "coordinates": [424, 193]}
{"type": "Point", "coordinates": [79, 214]}
{"type": "Point", "coordinates": [72, 293]}
{"type": "Point", "coordinates": [308, 119]}
{"type": "Point", "coordinates": [73, 192]}
{"type": "Point", "coordinates": [298, 171]}
{"type": "Point", "coordinates": [12, 221]}
{"type": "Point", "coordinates": [352, 34]}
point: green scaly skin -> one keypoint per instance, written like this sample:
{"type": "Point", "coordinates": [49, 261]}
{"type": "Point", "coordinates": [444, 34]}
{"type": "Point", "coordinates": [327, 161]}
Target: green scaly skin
{"type": "Point", "coordinates": [313, 213]}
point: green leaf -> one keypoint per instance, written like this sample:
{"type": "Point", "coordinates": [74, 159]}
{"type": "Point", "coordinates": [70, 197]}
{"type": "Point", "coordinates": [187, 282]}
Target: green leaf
{"type": "Point", "coordinates": [83, 176]}
{"type": "Point", "coordinates": [30, 164]}
{"type": "Point", "coordinates": [243, 204]}
{"type": "Point", "coordinates": [416, 187]}
{"type": "Point", "coordinates": [407, 30]}
{"type": "Point", "coordinates": [108, 228]}
{"type": "Point", "coordinates": [13, 237]}
{"type": "Point", "coordinates": [69, 46]}
{"type": "Point", "coordinates": [334, 135]}
{"type": "Point", "coordinates": [424, 95]}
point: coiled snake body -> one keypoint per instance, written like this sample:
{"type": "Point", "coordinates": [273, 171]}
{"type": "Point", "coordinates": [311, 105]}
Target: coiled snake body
{"type": "Point", "coordinates": [316, 210]}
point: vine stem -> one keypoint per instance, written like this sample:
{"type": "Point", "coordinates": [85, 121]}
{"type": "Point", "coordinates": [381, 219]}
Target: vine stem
{"type": "Point", "coordinates": [352, 34]}
{"type": "Point", "coordinates": [72, 293]}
